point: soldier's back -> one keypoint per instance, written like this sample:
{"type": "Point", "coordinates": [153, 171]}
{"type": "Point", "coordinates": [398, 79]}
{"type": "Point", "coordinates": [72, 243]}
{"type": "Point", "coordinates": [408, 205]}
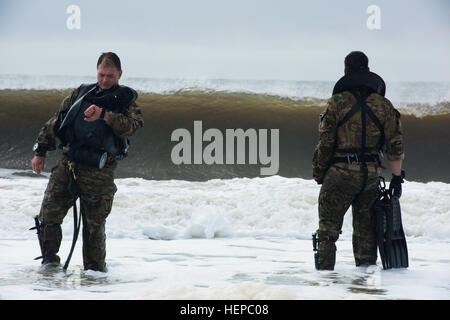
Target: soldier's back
{"type": "Point", "coordinates": [349, 131]}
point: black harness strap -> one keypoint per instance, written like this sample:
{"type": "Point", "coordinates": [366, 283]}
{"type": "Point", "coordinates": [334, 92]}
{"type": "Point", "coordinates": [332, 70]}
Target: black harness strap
{"type": "Point", "coordinates": [377, 122]}
{"type": "Point", "coordinates": [363, 140]}
{"type": "Point", "coordinates": [359, 155]}
{"type": "Point", "coordinates": [356, 150]}
{"type": "Point", "coordinates": [352, 111]}
{"type": "Point", "coordinates": [74, 190]}
{"type": "Point", "coordinates": [353, 158]}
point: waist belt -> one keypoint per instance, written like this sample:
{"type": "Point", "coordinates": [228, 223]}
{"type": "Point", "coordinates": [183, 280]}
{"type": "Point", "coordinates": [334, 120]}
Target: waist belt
{"type": "Point", "coordinates": [355, 158]}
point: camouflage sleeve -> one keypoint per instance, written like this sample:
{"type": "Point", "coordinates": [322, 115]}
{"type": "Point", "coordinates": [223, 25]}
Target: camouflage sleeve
{"type": "Point", "coordinates": [125, 125]}
{"type": "Point", "coordinates": [324, 151]}
{"type": "Point", "coordinates": [393, 134]}
{"type": "Point", "coordinates": [46, 137]}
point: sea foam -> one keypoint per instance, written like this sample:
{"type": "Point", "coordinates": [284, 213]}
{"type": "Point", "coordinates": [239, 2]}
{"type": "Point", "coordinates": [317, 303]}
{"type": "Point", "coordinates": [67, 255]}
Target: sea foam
{"type": "Point", "coordinates": [241, 207]}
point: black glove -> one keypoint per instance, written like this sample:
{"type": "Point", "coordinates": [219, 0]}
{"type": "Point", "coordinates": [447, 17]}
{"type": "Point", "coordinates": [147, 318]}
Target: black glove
{"type": "Point", "coordinates": [395, 186]}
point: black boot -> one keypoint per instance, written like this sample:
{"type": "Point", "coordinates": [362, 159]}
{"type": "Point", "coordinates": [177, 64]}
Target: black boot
{"type": "Point", "coordinates": [51, 261]}
{"type": "Point", "coordinates": [51, 240]}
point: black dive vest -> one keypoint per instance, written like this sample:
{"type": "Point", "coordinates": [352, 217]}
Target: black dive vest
{"type": "Point", "coordinates": [367, 83]}
{"type": "Point", "coordinates": [96, 136]}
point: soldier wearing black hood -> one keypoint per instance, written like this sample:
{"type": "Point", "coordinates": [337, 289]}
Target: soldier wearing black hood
{"type": "Point", "coordinates": [358, 123]}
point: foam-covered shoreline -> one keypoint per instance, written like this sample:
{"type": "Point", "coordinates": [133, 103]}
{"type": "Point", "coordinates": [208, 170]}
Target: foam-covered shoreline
{"type": "Point", "coordinates": [240, 207]}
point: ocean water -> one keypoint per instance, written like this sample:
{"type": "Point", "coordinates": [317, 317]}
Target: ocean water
{"type": "Point", "coordinates": [222, 232]}
{"type": "Point", "coordinates": [236, 238]}
{"type": "Point", "coordinates": [292, 107]}
{"type": "Point", "coordinates": [417, 98]}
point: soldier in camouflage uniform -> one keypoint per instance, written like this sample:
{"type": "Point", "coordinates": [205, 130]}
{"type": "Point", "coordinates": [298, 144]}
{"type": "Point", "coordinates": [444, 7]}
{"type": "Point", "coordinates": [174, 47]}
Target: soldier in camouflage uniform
{"type": "Point", "coordinates": [96, 186]}
{"type": "Point", "coordinates": [346, 163]}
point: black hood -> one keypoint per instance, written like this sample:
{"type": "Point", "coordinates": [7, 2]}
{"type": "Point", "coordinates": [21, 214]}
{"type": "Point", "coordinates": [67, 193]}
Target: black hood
{"type": "Point", "coordinates": [113, 99]}
{"type": "Point", "coordinates": [361, 79]}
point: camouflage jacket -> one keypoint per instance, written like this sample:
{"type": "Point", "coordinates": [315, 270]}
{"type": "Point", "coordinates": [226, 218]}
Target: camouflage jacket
{"type": "Point", "coordinates": [348, 135]}
{"type": "Point", "coordinates": [122, 125]}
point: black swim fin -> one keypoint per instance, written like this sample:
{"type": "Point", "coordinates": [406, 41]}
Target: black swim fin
{"type": "Point", "coordinates": [391, 240]}
{"type": "Point", "coordinates": [398, 255]}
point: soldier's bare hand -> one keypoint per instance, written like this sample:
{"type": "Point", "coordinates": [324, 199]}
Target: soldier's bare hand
{"type": "Point", "coordinates": [92, 113]}
{"type": "Point", "coordinates": [38, 163]}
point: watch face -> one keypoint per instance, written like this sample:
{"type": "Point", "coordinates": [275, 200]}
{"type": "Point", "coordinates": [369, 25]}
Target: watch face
{"type": "Point", "coordinates": [102, 161]}
{"type": "Point", "coordinates": [35, 146]}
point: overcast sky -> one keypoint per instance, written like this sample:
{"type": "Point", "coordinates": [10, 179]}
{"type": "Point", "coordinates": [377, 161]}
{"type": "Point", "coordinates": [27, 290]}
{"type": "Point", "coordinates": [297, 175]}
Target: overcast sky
{"type": "Point", "coordinates": [233, 39]}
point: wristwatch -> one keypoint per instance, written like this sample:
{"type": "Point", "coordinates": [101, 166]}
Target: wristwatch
{"type": "Point", "coordinates": [39, 149]}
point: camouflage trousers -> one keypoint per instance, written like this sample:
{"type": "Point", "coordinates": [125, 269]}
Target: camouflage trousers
{"type": "Point", "coordinates": [340, 189]}
{"type": "Point", "coordinates": [96, 193]}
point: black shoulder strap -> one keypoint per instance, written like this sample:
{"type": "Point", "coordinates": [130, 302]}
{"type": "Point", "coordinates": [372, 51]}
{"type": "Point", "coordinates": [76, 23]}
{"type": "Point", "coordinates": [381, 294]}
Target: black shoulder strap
{"type": "Point", "coordinates": [352, 111]}
{"type": "Point", "coordinates": [361, 103]}
{"type": "Point", "coordinates": [376, 121]}
{"type": "Point", "coordinates": [362, 156]}
{"type": "Point", "coordinates": [73, 111]}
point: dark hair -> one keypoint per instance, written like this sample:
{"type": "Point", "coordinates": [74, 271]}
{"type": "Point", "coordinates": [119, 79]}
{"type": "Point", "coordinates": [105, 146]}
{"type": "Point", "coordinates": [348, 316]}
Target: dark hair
{"type": "Point", "coordinates": [110, 58]}
{"type": "Point", "coordinates": [356, 61]}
